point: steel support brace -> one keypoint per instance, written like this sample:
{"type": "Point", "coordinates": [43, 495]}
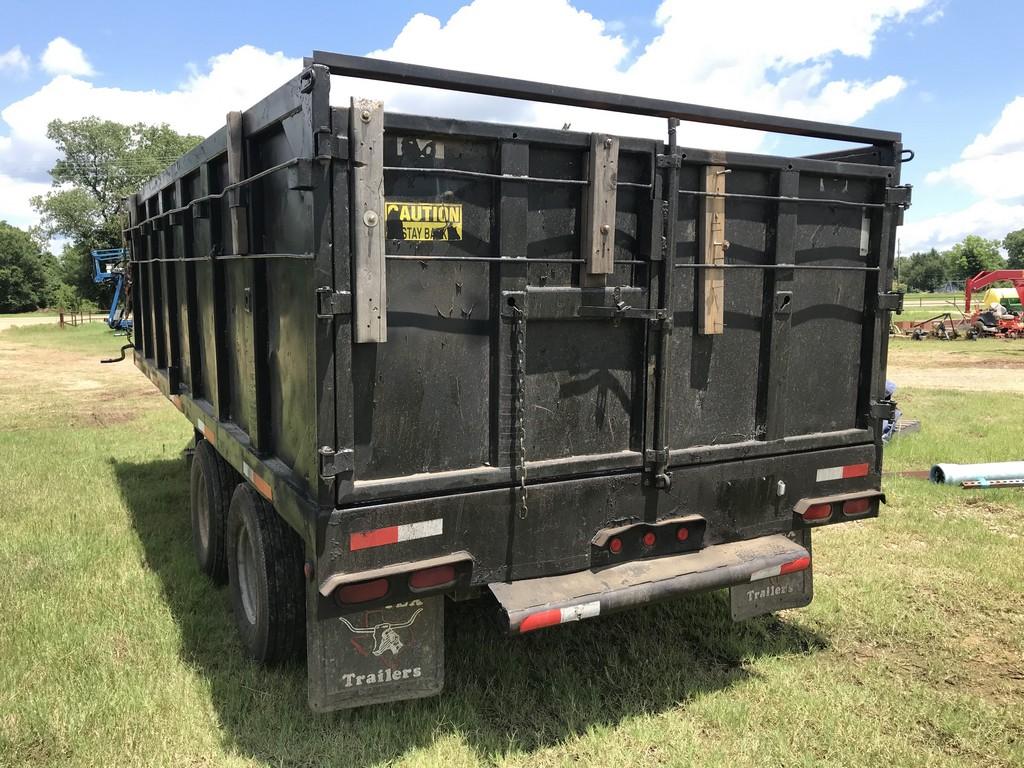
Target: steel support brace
{"type": "Point", "coordinates": [236, 172]}
{"type": "Point", "coordinates": [657, 451]}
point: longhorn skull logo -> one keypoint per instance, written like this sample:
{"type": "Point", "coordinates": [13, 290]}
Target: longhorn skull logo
{"type": "Point", "coordinates": [385, 636]}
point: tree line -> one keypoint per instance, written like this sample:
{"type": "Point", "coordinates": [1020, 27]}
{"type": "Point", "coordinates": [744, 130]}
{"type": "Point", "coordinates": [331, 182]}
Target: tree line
{"type": "Point", "coordinates": [101, 163]}
{"type": "Point", "coordinates": [932, 270]}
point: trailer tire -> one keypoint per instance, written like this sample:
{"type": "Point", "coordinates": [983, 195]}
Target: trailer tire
{"type": "Point", "coordinates": [212, 481]}
{"type": "Point", "coordinates": [265, 560]}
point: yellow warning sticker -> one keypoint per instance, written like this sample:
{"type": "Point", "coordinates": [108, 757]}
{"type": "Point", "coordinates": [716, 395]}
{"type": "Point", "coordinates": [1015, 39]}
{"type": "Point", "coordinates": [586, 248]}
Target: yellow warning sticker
{"type": "Point", "coordinates": [423, 221]}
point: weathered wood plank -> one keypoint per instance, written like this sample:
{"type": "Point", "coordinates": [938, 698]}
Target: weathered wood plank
{"type": "Point", "coordinates": [369, 311]}
{"type": "Point", "coordinates": [711, 296]}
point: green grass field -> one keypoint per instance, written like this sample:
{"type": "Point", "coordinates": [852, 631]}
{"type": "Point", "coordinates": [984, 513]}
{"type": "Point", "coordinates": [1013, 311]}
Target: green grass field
{"type": "Point", "coordinates": [114, 651]}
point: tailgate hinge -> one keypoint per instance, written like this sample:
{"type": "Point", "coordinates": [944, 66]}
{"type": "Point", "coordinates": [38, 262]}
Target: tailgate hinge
{"type": "Point", "coordinates": [331, 146]}
{"type": "Point", "coordinates": [334, 462]}
{"type": "Point", "coordinates": [899, 196]}
{"type": "Point", "coordinates": [891, 302]}
{"type": "Point", "coordinates": [329, 303]}
{"type": "Point", "coordinates": [883, 409]}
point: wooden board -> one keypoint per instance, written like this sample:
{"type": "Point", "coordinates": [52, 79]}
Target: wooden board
{"type": "Point", "coordinates": [369, 310]}
{"type": "Point", "coordinates": [601, 200]}
{"type": "Point", "coordinates": [711, 293]}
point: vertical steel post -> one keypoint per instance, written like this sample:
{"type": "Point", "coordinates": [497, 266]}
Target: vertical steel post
{"type": "Point", "coordinates": [657, 457]}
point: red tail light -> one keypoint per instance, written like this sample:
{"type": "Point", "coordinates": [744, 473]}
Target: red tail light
{"type": "Point", "coordinates": [649, 539]}
{"type": "Point", "coordinates": [428, 578]}
{"type": "Point", "coordinates": [363, 592]}
{"type": "Point", "coordinates": [682, 533]}
{"type": "Point", "coordinates": [615, 545]}
{"type": "Point", "coordinates": [817, 512]}
{"type": "Point", "coordinates": [856, 506]}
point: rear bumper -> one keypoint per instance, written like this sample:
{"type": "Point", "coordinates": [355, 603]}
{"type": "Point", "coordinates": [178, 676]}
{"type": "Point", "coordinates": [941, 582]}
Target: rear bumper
{"type": "Point", "coordinates": [536, 603]}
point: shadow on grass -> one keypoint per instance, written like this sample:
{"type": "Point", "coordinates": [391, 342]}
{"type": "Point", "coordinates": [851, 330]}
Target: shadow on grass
{"type": "Point", "coordinates": [502, 694]}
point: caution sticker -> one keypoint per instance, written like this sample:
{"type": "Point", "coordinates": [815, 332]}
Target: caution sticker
{"type": "Point", "coordinates": [423, 221]}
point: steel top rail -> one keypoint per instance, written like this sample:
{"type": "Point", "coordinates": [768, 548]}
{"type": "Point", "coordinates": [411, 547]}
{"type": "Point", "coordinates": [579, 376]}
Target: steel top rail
{"type": "Point", "coordinates": [489, 85]}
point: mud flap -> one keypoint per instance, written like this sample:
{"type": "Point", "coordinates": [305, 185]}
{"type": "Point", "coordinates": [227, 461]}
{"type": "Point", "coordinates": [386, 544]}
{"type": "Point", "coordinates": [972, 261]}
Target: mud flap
{"type": "Point", "coordinates": [776, 593]}
{"type": "Point", "coordinates": [372, 656]}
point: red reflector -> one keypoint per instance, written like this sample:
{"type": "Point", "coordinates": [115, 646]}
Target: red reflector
{"type": "Point", "coordinates": [800, 564]}
{"type": "Point", "coordinates": [855, 470]}
{"type": "Point", "coordinates": [615, 545]}
{"type": "Point", "coordinates": [440, 575]}
{"type": "Point", "coordinates": [649, 539]}
{"type": "Point", "coordinates": [856, 506]}
{"type": "Point", "coordinates": [363, 592]}
{"type": "Point", "coordinates": [683, 533]}
{"type": "Point", "coordinates": [818, 512]}
{"type": "Point", "coordinates": [544, 618]}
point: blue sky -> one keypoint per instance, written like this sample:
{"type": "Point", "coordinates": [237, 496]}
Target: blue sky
{"type": "Point", "coordinates": [944, 72]}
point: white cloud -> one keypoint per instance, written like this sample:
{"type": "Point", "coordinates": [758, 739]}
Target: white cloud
{"type": "Point", "coordinates": [993, 164]}
{"type": "Point", "coordinates": [14, 200]}
{"type": "Point", "coordinates": [14, 60]}
{"type": "Point", "coordinates": [992, 167]}
{"type": "Point", "coordinates": [62, 57]}
{"type": "Point", "coordinates": [988, 218]}
{"type": "Point", "coordinates": [772, 62]}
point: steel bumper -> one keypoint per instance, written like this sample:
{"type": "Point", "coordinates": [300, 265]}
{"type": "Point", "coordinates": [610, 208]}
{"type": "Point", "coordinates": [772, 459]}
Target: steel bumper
{"type": "Point", "coordinates": [536, 603]}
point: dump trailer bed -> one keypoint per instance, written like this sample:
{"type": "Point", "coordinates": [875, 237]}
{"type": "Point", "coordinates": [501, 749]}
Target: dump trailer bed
{"type": "Point", "coordinates": [568, 372]}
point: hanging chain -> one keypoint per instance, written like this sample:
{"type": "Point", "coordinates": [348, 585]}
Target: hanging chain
{"type": "Point", "coordinates": [519, 331]}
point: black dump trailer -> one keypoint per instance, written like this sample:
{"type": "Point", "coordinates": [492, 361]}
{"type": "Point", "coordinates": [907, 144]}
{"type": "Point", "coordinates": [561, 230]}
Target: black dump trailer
{"type": "Point", "coordinates": [567, 373]}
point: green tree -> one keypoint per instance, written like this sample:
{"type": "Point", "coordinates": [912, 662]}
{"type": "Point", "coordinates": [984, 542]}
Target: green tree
{"type": "Point", "coordinates": [102, 162]}
{"type": "Point", "coordinates": [1014, 245]}
{"type": "Point", "coordinates": [26, 275]}
{"type": "Point", "coordinates": [974, 254]}
{"type": "Point", "coordinates": [924, 271]}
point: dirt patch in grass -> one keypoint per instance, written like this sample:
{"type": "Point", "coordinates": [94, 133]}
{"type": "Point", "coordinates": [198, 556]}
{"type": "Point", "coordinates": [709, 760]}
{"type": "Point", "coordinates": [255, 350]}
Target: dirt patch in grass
{"type": "Point", "coordinates": [995, 517]}
{"type": "Point", "coordinates": [951, 376]}
{"type": "Point", "coordinates": [72, 389]}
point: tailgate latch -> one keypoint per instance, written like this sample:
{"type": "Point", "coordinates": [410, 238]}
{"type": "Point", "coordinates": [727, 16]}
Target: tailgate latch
{"type": "Point", "coordinates": [329, 302]}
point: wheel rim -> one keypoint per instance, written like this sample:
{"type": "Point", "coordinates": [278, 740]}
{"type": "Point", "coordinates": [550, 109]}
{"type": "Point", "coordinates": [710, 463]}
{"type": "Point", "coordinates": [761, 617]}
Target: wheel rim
{"type": "Point", "coordinates": [203, 512]}
{"type": "Point", "coordinates": [246, 574]}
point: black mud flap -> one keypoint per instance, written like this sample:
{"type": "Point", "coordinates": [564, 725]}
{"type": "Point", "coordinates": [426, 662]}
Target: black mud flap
{"type": "Point", "coordinates": [536, 603]}
{"type": "Point", "coordinates": [372, 656]}
{"type": "Point", "coordinates": [775, 593]}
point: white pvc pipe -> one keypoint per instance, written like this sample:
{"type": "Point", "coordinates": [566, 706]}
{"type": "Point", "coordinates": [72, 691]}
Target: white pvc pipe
{"type": "Point", "coordinates": [954, 474]}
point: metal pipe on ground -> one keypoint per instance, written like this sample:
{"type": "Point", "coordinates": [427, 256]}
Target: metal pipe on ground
{"type": "Point", "coordinates": [954, 474]}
